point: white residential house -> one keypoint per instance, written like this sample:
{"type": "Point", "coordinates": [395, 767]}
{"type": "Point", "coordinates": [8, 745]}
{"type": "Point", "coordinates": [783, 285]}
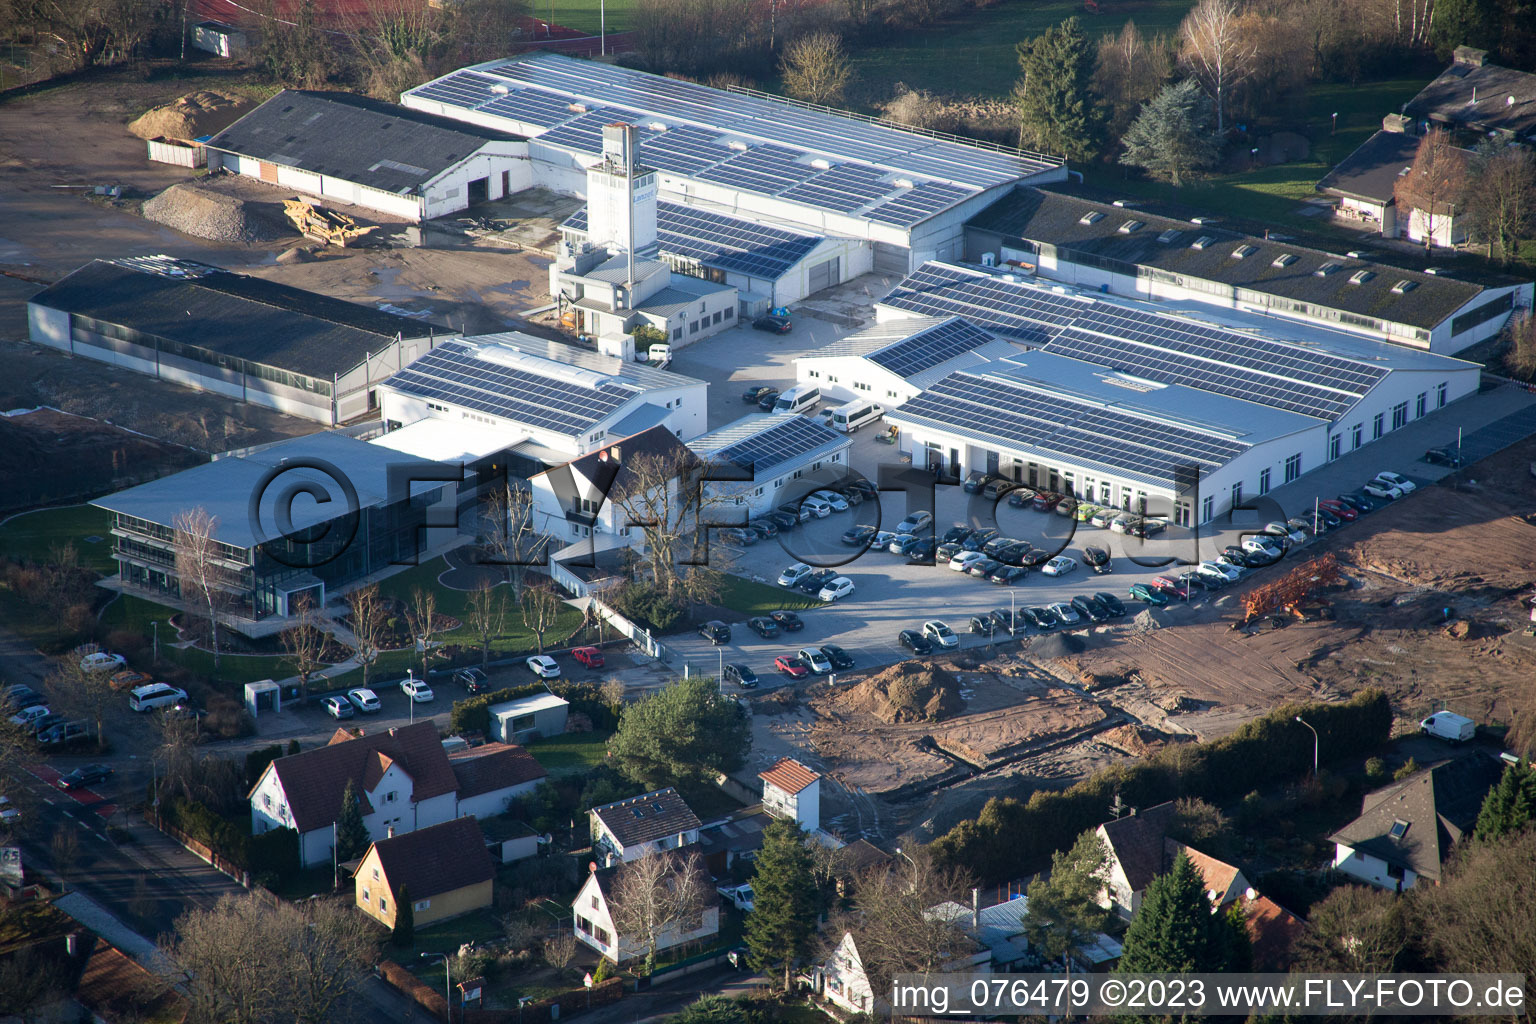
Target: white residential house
{"type": "Point", "coordinates": [593, 921]}
{"type": "Point", "coordinates": [629, 829]}
{"type": "Point", "coordinates": [578, 502]}
{"type": "Point", "coordinates": [842, 981]}
{"type": "Point", "coordinates": [791, 790]}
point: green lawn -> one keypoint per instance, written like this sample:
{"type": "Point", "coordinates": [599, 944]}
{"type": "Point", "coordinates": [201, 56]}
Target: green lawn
{"type": "Point", "coordinates": [515, 637]}
{"type": "Point", "coordinates": [573, 753]}
{"type": "Point", "coordinates": [447, 937]}
{"type": "Point", "coordinates": [752, 598]}
{"type": "Point", "coordinates": [29, 536]}
{"type": "Point", "coordinates": [974, 54]}
{"type": "Point", "coordinates": [586, 15]}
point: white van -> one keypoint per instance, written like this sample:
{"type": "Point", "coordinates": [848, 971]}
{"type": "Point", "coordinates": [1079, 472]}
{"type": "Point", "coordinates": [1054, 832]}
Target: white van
{"type": "Point", "coordinates": [849, 418]}
{"type": "Point", "coordinates": [155, 695]}
{"type": "Point", "coordinates": [798, 399]}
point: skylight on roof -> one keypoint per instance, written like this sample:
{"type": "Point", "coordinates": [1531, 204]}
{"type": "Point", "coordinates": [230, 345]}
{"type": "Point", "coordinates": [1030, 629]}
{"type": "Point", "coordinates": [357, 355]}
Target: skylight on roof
{"type": "Point", "coordinates": [1325, 269]}
{"type": "Point", "coordinates": [1169, 235]}
{"type": "Point", "coordinates": [1361, 276]}
{"type": "Point", "coordinates": [1132, 225]}
{"type": "Point", "coordinates": [1242, 252]}
{"type": "Point", "coordinates": [1399, 829]}
{"type": "Point", "coordinates": [1404, 286]}
{"type": "Point", "coordinates": [1285, 259]}
{"type": "Point", "coordinates": [1201, 242]}
{"type": "Point", "coordinates": [1091, 217]}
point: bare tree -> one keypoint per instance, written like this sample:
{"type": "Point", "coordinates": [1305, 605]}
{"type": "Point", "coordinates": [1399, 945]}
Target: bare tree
{"type": "Point", "coordinates": [1434, 184]}
{"type": "Point", "coordinates": [304, 642]}
{"type": "Point", "coordinates": [30, 981]}
{"type": "Point", "coordinates": [659, 896]}
{"type": "Point", "coordinates": [486, 616]}
{"type": "Point", "coordinates": [1501, 197]}
{"type": "Point", "coordinates": [85, 694]}
{"type": "Point", "coordinates": [541, 607]}
{"type": "Point", "coordinates": [422, 615]}
{"type": "Point", "coordinates": [198, 568]}
{"type": "Point", "coordinates": [673, 500]}
{"type": "Point", "coordinates": [248, 960]}
{"type": "Point", "coordinates": [560, 951]}
{"type": "Point", "coordinates": [891, 920]}
{"type": "Point", "coordinates": [1520, 357]}
{"type": "Point", "coordinates": [816, 68]}
{"type": "Point", "coordinates": [1216, 51]}
{"type": "Point", "coordinates": [65, 849]}
{"type": "Point", "coordinates": [369, 617]}
{"type": "Point", "coordinates": [508, 536]}
{"type": "Point", "coordinates": [1129, 70]}
{"type": "Point", "coordinates": [1357, 929]}
{"type": "Point", "coordinates": [1478, 918]}
{"type": "Point", "coordinates": [393, 42]}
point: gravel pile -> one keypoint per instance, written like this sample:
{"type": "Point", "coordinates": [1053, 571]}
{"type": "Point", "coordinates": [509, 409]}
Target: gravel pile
{"type": "Point", "coordinates": [203, 213]}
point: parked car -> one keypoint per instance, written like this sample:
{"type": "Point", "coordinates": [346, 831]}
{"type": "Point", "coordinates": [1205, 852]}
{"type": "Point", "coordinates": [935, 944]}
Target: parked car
{"type": "Point", "coordinates": [66, 732]}
{"type": "Point", "coordinates": [773, 324]}
{"type": "Point", "coordinates": [1020, 496]}
{"type": "Point", "coordinates": [1348, 513]}
{"type": "Point", "coordinates": [338, 708]}
{"type": "Point", "coordinates": [783, 520]}
{"type": "Point", "coordinates": [1142, 592]}
{"type": "Point", "coordinates": [1065, 613]}
{"type": "Point", "coordinates": [996, 488]}
{"type": "Point", "coordinates": [923, 550]}
{"type": "Point", "coordinates": [763, 626]}
{"type": "Point", "coordinates": [945, 552]}
{"type": "Point", "coordinates": [1193, 580]}
{"type": "Point", "coordinates": [1397, 480]}
{"type": "Point", "coordinates": [715, 631]}
{"type": "Point", "coordinates": [975, 481]}
{"type": "Point", "coordinates": [101, 661]}
{"type": "Point", "coordinates": [813, 583]}
{"type": "Point", "coordinates": [1105, 518]}
{"type": "Point", "coordinates": [1098, 559]}
{"type": "Point", "coordinates": [1025, 619]}
{"type": "Point", "coordinates": [128, 679]}
{"type": "Point", "coordinates": [474, 680]}
{"type": "Point", "coordinates": [1447, 725]}
{"type": "Point", "coordinates": [9, 813]}
{"type": "Point", "coordinates": [1225, 573]}
{"type": "Point", "coordinates": [1123, 522]}
{"type": "Point", "coordinates": [769, 400]}
{"type": "Point", "coordinates": [788, 621]}
{"type": "Point", "coordinates": [738, 896]}
{"type": "Point", "coordinates": [1382, 490]}
{"type": "Point", "coordinates": [819, 662]}
{"type": "Point", "coordinates": [20, 695]}
{"type": "Point", "coordinates": [1362, 502]}
{"type": "Point", "coordinates": [27, 718]}
{"type": "Point", "coordinates": [1044, 618]}
{"type": "Point", "coordinates": [965, 559]}
{"type": "Point", "coordinates": [1111, 604]}
{"type": "Point", "coordinates": [836, 589]}
{"type": "Point", "coordinates": [1003, 617]}
{"type": "Point", "coordinates": [1086, 511]}
{"type": "Point", "coordinates": [364, 700]}
{"type": "Point", "coordinates": [1090, 608]}
{"type": "Point", "coordinates": [418, 690]}
{"type": "Point", "coordinates": [766, 529]}
{"type": "Point", "coordinates": [741, 675]}
{"type": "Point", "coordinates": [852, 495]}
{"type": "Point", "coordinates": [979, 539]}
{"type": "Point", "coordinates": [983, 625]}
{"type": "Point", "coordinates": [914, 641]}
{"type": "Point", "coordinates": [984, 568]}
{"type": "Point", "coordinates": [791, 666]}
{"type": "Point", "coordinates": [792, 576]}
{"type": "Point", "coordinates": [956, 534]}
{"type": "Point", "coordinates": [915, 522]}
{"type": "Point", "coordinates": [1446, 456]}
{"type": "Point", "coordinates": [1264, 544]}
{"type": "Point", "coordinates": [1286, 533]}
{"type": "Point", "coordinates": [85, 775]}
{"type": "Point", "coordinates": [1067, 506]}
{"type": "Point", "coordinates": [740, 536]}
{"type": "Point", "coordinates": [591, 657]}
{"type": "Point", "coordinates": [902, 543]}
{"type": "Point", "coordinates": [841, 660]}
{"type": "Point", "coordinates": [1059, 566]}
{"type": "Point", "coordinates": [755, 394]}
{"type": "Point", "coordinates": [996, 544]}
{"type": "Point", "coordinates": [831, 497]}
{"type": "Point", "coordinates": [1046, 501]}
{"type": "Point", "coordinates": [938, 632]}
{"type": "Point", "coordinates": [543, 666]}
{"type": "Point", "coordinates": [1006, 574]}
{"type": "Point", "coordinates": [859, 536]}
{"type": "Point", "coordinates": [1014, 554]}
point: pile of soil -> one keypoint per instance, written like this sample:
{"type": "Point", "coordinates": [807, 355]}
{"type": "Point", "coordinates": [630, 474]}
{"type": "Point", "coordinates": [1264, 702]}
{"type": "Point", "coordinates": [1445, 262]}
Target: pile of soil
{"type": "Point", "coordinates": [204, 213]}
{"type": "Point", "coordinates": [191, 116]}
{"type": "Point", "coordinates": [909, 691]}
{"type": "Point", "coordinates": [1056, 645]}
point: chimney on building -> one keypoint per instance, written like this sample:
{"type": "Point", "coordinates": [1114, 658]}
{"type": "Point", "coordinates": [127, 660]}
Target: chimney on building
{"type": "Point", "coordinates": [391, 832]}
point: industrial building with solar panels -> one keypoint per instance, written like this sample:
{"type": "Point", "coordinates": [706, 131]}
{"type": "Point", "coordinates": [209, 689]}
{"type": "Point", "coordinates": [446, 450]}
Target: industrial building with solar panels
{"type": "Point", "coordinates": [768, 451]}
{"type": "Point", "coordinates": [777, 198]}
{"type": "Point", "coordinates": [1166, 408]}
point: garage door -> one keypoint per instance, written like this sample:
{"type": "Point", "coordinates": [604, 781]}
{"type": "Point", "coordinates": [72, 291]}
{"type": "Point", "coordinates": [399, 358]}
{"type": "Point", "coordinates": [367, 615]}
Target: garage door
{"type": "Point", "coordinates": [892, 260]}
{"type": "Point", "coordinates": [825, 275]}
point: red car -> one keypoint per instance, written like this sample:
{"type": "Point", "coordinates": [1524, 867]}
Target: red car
{"type": "Point", "coordinates": [588, 656]}
{"type": "Point", "coordinates": [1339, 509]}
{"type": "Point", "coordinates": [1046, 501]}
{"type": "Point", "coordinates": [791, 666]}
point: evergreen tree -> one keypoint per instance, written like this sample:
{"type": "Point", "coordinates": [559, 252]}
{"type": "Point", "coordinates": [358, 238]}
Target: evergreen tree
{"type": "Point", "coordinates": [1172, 135]}
{"type": "Point", "coordinates": [1175, 929]}
{"type": "Point", "coordinates": [1466, 23]}
{"type": "Point", "coordinates": [686, 731]}
{"type": "Point", "coordinates": [1511, 805]}
{"type": "Point", "coordinates": [1057, 113]}
{"type": "Point", "coordinates": [405, 920]}
{"type": "Point", "coordinates": [351, 834]}
{"type": "Point", "coordinates": [1064, 912]}
{"type": "Point", "coordinates": [781, 930]}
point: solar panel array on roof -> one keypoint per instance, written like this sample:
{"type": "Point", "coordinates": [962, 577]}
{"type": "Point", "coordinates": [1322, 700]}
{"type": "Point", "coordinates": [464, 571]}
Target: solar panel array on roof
{"type": "Point", "coordinates": [921, 202]}
{"type": "Point", "coordinates": [585, 133]}
{"type": "Point", "coordinates": [929, 348]}
{"type": "Point", "coordinates": [1014, 410]}
{"type": "Point", "coordinates": [452, 372]}
{"type": "Point", "coordinates": [844, 188]}
{"type": "Point", "coordinates": [532, 106]}
{"type": "Point", "coordinates": [716, 240]}
{"type": "Point", "coordinates": [683, 149]}
{"type": "Point", "coordinates": [790, 439]}
{"type": "Point", "coordinates": [462, 88]}
{"type": "Point", "coordinates": [1157, 346]}
{"type": "Point", "coordinates": [768, 169]}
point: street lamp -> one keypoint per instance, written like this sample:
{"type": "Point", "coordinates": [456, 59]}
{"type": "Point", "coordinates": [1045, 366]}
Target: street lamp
{"type": "Point", "coordinates": [1335, 126]}
{"type": "Point", "coordinates": [909, 859]}
{"type": "Point", "coordinates": [156, 626]}
{"type": "Point", "coordinates": [447, 996]}
{"type": "Point", "coordinates": [1314, 745]}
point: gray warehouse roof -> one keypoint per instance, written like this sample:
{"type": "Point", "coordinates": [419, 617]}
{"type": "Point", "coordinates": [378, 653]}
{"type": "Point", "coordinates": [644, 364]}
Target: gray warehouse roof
{"type": "Point", "coordinates": [230, 314]}
{"type": "Point", "coordinates": [752, 142]}
{"type": "Point", "coordinates": [1371, 172]}
{"type": "Point", "coordinates": [1139, 237]}
{"type": "Point", "coordinates": [341, 135]}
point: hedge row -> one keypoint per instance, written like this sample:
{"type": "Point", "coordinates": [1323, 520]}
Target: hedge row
{"type": "Point", "coordinates": [269, 855]}
{"type": "Point", "coordinates": [1011, 837]}
{"type": "Point", "coordinates": [474, 713]}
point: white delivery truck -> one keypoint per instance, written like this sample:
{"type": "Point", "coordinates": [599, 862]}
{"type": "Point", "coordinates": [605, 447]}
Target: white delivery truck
{"type": "Point", "coordinates": [1447, 725]}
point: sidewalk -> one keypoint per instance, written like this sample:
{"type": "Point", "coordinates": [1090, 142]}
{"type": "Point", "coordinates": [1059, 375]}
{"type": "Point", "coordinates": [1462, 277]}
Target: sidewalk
{"type": "Point", "coordinates": [101, 921]}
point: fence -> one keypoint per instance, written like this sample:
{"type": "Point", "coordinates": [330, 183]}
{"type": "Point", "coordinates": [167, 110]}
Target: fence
{"type": "Point", "coordinates": [172, 151]}
{"type": "Point", "coordinates": [570, 1002]}
{"type": "Point", "coordinates": [200, 850]}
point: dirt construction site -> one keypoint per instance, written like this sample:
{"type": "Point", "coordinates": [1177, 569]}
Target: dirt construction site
{"type": "Point", "coordinates": [1432, 605]}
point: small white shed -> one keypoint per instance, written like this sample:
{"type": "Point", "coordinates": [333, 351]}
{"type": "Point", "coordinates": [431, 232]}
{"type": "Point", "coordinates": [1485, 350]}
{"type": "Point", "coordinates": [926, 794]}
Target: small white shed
{"type": "Point", "coordinates": [264, 695]}
{"type": "Point", "coordinates": [539, 714]}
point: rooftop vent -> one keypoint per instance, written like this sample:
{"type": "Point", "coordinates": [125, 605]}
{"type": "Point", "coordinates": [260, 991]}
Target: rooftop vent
{"type": "Point", "coordinates": [1091, 217]}
{"type": "Point", "coordinates": [1404, 286]}
{"type": "Point", "coordinates": [1242, 252]}
{"type": "Point", "coordinates": [580, 108]}
{"type": "Point", "coordinates": [1202, 221]}
{"type": "Point", "coordinates": [1357, 254]}
{"type": "Point", "coordinates": [902, 182]}
{"type": "Point", "coordinates": [499, 89]}
{"type": "Point", "coordinates": [657, 126]}
{"type": "Point", "coordinates": [1201, 242]}
{"type": "Point", "coordinates": [1125, 204]}
{"type": "Point", "coordinates": [1432, 271]}
{"type": "Point", "coordinates": [1285, 259]}
{"type": "Point", "coordinates": [1169, 235]}
{"type": "Point", "coordinates": [1132, 225]}
{"type": "Point", "coordinates": [737, 145]}
{"type": "Point", "coordinates": [1361, 276]}
{"type": "Point", "coordinates": [1325, 269]}
{"type": "Point", "coordinates": [822, 164]}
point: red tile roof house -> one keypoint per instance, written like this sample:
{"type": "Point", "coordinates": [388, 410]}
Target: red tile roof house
{"type": "Point", "coordinates": [1140, 850]}
{"type": "Point", "coordinates": [403, 777]}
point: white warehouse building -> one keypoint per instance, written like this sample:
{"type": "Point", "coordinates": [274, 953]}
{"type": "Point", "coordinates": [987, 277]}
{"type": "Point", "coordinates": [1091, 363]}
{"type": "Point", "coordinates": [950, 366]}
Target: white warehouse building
{"type": "Point", "coordinates": [1120, 402]}
{"type": "Point", "coordinates": [895, 196]}
{"type": "Point", "coordinates": [891, 362]}
{"type": "Point", "coordinates": [765, 453]}
{"type": "Point", "coordinates": [376, 155]}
